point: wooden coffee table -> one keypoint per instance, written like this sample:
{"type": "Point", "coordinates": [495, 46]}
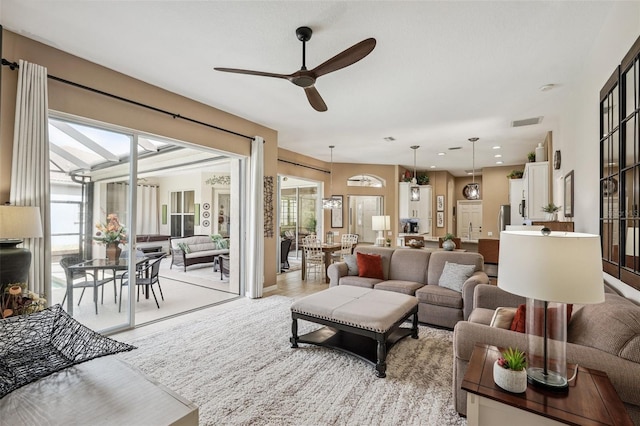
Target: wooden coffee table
{"type": "Point", "coordinates": [590, 400]}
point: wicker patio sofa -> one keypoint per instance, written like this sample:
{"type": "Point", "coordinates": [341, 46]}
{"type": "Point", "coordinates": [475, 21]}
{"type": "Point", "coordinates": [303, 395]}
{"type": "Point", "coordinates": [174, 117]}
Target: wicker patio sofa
{"type": "Point", "coordinates": [187, 251]}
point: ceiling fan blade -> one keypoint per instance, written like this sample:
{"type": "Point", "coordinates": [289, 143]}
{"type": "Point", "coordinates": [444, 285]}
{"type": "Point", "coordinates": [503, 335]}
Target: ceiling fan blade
{"type": "Point", "coordinates": [258, 73]}
{"type": "Point", "coordinates": [315, 99]}
{"type": "Point", "coordinates": [346, 57]}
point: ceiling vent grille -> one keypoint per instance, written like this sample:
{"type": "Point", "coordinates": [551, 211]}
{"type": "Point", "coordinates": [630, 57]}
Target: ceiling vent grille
{"type": "Point", "coordinates": [526, 122]}
{"type": "Point", "coordinates": [453, 148]}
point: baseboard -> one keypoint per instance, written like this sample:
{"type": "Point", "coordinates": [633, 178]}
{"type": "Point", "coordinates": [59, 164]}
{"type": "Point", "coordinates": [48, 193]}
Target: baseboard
{"type": "Point", "coordinates": [270, 288]}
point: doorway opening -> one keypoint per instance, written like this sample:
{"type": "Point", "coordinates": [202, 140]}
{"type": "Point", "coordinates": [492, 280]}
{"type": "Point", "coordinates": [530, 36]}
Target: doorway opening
{"type": "Point", "coordinates": [469, 215]}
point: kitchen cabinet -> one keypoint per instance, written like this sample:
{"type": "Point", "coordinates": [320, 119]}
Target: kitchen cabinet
{"type": "Point", "coordinates": [535, 185]}
{"type": "Point", "coordinates": [420, 210]}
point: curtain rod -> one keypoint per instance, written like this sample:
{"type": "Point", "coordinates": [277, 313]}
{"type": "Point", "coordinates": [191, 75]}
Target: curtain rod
{"type": "Point", "coordinates": [304, 165]}
{"type": "Point", "coordinates": [14, 65]}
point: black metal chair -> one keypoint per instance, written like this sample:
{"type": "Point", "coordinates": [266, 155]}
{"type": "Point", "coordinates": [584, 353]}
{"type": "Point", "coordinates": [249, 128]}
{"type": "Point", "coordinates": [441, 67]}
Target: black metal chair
{"type": "Point", "coordinates": [146, 275]}
{"type": "Point", "coordinates": [72, 275]}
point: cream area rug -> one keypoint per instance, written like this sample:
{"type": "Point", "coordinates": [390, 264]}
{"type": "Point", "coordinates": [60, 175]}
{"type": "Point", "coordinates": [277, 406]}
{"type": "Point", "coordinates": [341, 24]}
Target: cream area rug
{"type": "Point", "coordinates": [239, 368]}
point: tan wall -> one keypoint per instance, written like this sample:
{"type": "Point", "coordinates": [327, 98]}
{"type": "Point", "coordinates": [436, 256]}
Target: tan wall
{"type": "Point", "coordinates": [495, 192]}
{"type": "Point", "coordinates": [65, 98]}
{"type": "Point", "coordinates": [439, 182]}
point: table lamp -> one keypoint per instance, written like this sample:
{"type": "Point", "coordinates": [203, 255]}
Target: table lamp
{"type": "Point", "coordinates": [380, 224]}
{"type": "Point", "coordinates": [550, 270]}
{"type": "Point", "coordinates": [16, 223]}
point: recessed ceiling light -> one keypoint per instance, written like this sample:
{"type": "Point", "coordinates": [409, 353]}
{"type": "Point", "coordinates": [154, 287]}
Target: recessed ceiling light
{"type": "Point", "coordinates": [498, 162]}
{"type": "Point", "coordinates": [497, 147]}
{"type": "Point", "coordinates": [389, 139]}
{"type": "Point", "coordinates": [432, 167]}
{"type": "Point", "coordinates": [469, 173]}
{"type": "Point", "coordinates": [498, 156]}
{"type": "Point", "coordinates": [442, 153]}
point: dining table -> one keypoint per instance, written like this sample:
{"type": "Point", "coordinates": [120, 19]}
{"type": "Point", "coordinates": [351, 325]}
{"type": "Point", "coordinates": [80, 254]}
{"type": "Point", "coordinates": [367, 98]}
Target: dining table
{"type": "Point", "coordinates": [327, 249]}
{"type": "Point", "coordinates": [93, 266]}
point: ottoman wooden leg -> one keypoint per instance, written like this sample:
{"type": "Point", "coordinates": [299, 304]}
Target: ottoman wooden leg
{"type": "Point", "coordinates": [381, 365]}
{"type": "Point", "coordinates": [294, 333]}
{"type": "Point", "coordinates": [414, 327]}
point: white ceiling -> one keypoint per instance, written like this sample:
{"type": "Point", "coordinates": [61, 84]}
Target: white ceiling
{"type": "Point", "coordinates": [442, 71]}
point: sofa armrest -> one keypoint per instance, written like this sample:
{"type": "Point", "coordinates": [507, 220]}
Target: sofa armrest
{"type": "Point", "coordinates": [336, 271]}
{"type": "Point", "coordinates": [478, 278]}
{"type": "Point", "coordinates": [492, 297]}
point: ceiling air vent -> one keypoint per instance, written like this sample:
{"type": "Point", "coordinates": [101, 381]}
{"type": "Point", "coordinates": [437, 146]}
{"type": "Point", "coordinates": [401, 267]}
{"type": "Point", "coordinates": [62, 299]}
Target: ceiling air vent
{"type": "Point", "coordinates": [453, 148]}
{"type": "Point", "coordinates": [526, 122]}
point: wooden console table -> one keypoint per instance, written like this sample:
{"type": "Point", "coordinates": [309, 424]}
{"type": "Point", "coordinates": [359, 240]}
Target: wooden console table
{"type": "Point", "coordinates": [591, 399]}
{"type": "Point", "coordinates": [555, 225]}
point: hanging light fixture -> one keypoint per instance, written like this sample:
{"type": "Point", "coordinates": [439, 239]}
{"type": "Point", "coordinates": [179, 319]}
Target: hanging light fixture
{"type": "Point", "coordinates": [471, 190]}
{"type": "Point", "coordinates": [415, 189]}
{"type": "Point", "coordinates": [332, 202]}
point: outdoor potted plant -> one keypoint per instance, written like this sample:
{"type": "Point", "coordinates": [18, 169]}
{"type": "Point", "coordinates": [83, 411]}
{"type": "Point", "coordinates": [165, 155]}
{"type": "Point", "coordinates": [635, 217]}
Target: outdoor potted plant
{"type": "Point", "coordinates": [447, 242]}
{"type": "Point", "coordinates": [509, 371]}
{"type": "Point", "coordinates": [551, 211]}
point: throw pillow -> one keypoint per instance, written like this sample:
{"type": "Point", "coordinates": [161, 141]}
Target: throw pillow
{"type": "Point", "coordinates": [222, 244]}
{"type": "Point", "coordinates": [520, 319]}
{"type": "Point", "coordinates": [369, 265]}
{"type": "Point", "coordinates": [503, 317]}
{"type": "Point", "coordinates": [184, 247]}
{"type": "Point", "coordinates": [454, 275]}
{"type": "Point", "coordinates": [44, 342]}
{"type": "Point", "coordinates": [352, 264]}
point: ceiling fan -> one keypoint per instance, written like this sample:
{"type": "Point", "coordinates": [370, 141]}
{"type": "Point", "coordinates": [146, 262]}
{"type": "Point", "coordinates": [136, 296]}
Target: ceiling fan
{"type": "Point", "coordinates": [305, 78]}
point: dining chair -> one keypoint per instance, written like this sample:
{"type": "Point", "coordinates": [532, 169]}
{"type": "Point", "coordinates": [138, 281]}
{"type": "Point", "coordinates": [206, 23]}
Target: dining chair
{"type": "Point", "coordinates": [347, 242]}
{"type": "Point", "coordinates": [88, 280]}
{"type": "Point", "coordinates": [314, 257]}
{"type": "Point", "coordinates": [146, 275]}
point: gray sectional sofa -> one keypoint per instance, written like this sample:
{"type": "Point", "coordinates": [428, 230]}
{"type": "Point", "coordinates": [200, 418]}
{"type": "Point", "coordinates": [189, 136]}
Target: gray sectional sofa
{"type": "Point", "coordinates": [417, 272]}
{"type": "Point", "coordinates": [604, 337]}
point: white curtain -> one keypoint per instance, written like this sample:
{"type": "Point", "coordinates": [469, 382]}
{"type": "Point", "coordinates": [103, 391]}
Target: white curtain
{"type": "Point", "coordinates": [147, 222]}
{"type": "Point", "coordinates": [30, 167]}
{"type": "Point", "coordinates": [255, 252]}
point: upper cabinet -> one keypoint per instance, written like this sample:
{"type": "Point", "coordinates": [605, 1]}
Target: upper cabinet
{"type": "Point", "coordinates": [535, 186]}
{"type": "Point", "coordinates": [420, 210]}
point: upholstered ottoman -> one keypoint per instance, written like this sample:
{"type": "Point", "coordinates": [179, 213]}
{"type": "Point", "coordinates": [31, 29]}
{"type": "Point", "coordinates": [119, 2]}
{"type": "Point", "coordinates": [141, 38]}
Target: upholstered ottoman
{"type": "Point", "coordinates": [360, 321]}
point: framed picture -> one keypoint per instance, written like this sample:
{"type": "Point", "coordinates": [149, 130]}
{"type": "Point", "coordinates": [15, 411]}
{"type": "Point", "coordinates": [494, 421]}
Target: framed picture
{"type": "Point", "coordinates": [568, 194]}
{"type": "Point", "coordinates": [440, 203]}
{"type": "Point", "coordinates": [440, 219]}
{"type": "Point", "coordinates": [336, 214]}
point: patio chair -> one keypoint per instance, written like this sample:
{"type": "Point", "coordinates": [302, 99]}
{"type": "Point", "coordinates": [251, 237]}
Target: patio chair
{"type": "Point", "coordinates": [72, 275]}
{"type": "Point", "coordinates": [146, 275]}
{"type": "Point", "coordinates": [285, 246]}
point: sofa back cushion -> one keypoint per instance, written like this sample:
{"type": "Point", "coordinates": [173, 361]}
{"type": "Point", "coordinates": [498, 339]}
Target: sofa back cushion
{"type": "Point", "coordinates": [409, 264]}
{"type": "Point", "coordinates": [439, 258]}
{"type": "Point", "coordinates": [384, 252]}
{"type": "Point", "coordinates": [190, 241]}
{"type": "Point", "coordinates": [612, 326]}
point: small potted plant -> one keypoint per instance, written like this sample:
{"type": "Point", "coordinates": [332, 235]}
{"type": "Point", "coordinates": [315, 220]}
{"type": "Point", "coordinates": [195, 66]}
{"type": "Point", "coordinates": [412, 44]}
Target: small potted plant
{"type": "Point", "coordinates": [388, 242]}
{"type": "Point", "coordinates": [531, 157]}
{"type": "Point", "coordinates": [509, 371]}
{"type": "Point", "coordinates": [447, 242]}
{"type": "Point", "coordinates": [551, 211]}
{"type": "Point", "coordinates": [515, 174]}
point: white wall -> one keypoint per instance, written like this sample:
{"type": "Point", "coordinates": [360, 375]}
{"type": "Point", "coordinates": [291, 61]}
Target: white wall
{"type": "Point", "coordinates": [577, 135]}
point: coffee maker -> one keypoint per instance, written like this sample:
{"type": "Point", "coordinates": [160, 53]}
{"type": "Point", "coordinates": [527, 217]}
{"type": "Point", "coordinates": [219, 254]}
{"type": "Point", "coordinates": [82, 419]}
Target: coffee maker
{"type": "Point", "coordinates": [414, 227]}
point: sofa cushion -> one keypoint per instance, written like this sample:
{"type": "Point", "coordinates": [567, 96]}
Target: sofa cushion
{"type": "Point", "coordinates": [438, 260]}
{"type": "Point", "coordinates": [369, 266]}
{"type": "Point", "coordinates": [398, 286]}
{"type": "Point", "coordinates": [352, 264]}
{"type": "Point", "coordinates": [436, 295]}
{"type": "Point", "coordinates": [612, 326]}
{"type": "Point", "coordinates": [503, 317]}
{"type": "Point", "coordinates": [481, 316]}
{"type": "Point", "coordinates": [359, 281]}
{"type": "Point", "coordinates": [409, 264]}
{"type": "Point", "coordinates": [384, 252]}
{"type": "Point", "coordinates": [454, 275]}
{"type": "Point", "coordinates": [202, 246]}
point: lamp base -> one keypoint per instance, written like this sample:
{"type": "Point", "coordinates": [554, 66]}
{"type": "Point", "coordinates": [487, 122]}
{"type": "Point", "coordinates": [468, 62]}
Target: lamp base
{"type": "Point", "coordinates": [380, 242]}
{"type": "Point", "coordinates": [550, 381]}
{"type": "Point", "coordinates": [14, 263]}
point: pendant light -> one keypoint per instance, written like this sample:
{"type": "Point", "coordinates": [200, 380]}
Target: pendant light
{"type": "Point", "coordinates": [415, 189]}
{"type": "Point", "coordinates": [471, 190]}
{"type": "Point", "coordinates": [332, 202]}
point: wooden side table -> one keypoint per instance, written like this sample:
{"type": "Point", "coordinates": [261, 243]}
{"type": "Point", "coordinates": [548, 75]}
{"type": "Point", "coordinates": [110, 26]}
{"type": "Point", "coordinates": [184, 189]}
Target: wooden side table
{"type": "Point", "coordinates": [591, 399]}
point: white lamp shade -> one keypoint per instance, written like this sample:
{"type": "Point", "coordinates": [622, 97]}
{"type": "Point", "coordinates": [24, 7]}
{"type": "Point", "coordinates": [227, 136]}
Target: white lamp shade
{"type": "Point", "coordinates": [18, 222]}
{"type": "Point", "coordinates": [563, 267]}
{"type": "Point", "coordinates": [380, 223]}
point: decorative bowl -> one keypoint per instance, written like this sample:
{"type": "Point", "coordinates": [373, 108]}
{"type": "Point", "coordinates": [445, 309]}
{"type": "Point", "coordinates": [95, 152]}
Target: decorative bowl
{"type": "Point", "coordinates": [416, 243]}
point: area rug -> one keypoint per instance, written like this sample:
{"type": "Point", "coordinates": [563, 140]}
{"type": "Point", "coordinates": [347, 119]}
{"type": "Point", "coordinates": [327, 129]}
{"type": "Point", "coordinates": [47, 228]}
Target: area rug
{"type": "Point", "coordinates": [202, 275]}
{"type": "Point", "coordinates": [239, 368]}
